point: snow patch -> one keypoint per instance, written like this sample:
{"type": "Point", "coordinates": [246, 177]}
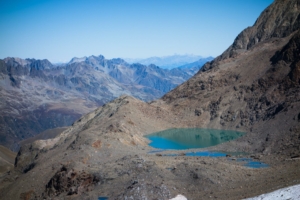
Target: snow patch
{"type": "Point", "coordinates": [291, 193]}
{"type": "Point", "coordinates": [179, 197]}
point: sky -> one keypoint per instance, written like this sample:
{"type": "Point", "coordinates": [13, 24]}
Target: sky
{"type": "Point", "coordinates": [59, 30]}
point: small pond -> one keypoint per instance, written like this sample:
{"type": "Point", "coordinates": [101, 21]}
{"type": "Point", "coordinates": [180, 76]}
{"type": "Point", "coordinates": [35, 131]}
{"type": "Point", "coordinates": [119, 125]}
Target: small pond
{"type": "Point", "coordinates": [249, 162]}
{"type": "Point", "coordinates": [102, 198]}
{"type": "Point", "coordinates": [199, 154]}
{"type": "Point", "coordinates": [188, 138]}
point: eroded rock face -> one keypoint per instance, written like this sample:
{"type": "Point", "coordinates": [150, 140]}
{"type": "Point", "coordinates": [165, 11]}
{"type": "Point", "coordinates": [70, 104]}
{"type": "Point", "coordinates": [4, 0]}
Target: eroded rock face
{"type": "Point", "coordinates": [279, 20]}
{"type": "Point", "coordinates": [70, 182]}
{"type": "Point", "coordinates": [26, 158]}
{"type": "Point", "coordinates": [290, 54]}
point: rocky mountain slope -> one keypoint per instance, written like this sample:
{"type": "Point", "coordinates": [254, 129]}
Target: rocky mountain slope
{"type": "Point", "coordinates": [36, 95]}
{"type": "Point", "coordinates": [253, 85]}
{"type": "Point", "coordinates": [254, 89]}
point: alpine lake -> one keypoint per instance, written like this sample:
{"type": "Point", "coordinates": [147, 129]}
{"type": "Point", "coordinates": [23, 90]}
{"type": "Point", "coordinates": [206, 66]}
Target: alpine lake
{"type": "Point", "coordinates": [194, 138]}
{"type": "Point", "coordinates": [191, 138]}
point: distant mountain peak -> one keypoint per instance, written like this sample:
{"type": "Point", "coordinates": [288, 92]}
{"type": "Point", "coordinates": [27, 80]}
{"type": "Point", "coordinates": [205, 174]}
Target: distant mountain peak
{"type": "Point", "coordinates": [118, 61]}
{"type": "Point", "coordinates": [39, 64]}
{"type": "Point", "coordinates": [167, 62]}
{"type": "Point", "coordinates": [86, 59]}
{"type": "Point", "coordinates": [17, 60]}
{"type": "Point", "coordinates": [36, 63]}
{"type": "Point", "coordinates": [76, 59]}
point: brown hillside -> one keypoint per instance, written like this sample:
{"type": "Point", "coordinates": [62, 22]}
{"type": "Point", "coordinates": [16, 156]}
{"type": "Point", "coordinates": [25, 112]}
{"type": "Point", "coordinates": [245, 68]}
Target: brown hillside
{"type": "Point", "coordinates": [257, 91]}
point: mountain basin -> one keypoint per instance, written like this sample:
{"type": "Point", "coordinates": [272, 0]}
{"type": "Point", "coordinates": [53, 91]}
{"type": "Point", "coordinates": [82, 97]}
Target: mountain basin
{"type": "Point", "coordinates": [189, 138]}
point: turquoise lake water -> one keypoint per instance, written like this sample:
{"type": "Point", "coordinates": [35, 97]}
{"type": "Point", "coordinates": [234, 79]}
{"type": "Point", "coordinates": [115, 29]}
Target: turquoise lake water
{"type": "Point", "coordinates": [189, 138]}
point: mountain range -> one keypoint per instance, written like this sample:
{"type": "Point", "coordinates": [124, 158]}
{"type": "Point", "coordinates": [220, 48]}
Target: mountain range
{"type": "Point", "coordinates": [37, 95]}
{"type": "Point", "coordinates": [253, 87]}
{"type": "Point", "coordinates": [170, 62]}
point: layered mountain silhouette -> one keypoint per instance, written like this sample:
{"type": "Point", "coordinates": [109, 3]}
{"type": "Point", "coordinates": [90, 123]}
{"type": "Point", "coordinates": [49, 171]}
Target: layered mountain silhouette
{"type": "Point", "coordinates": [175, 61]}
{"type": "Point", "coordinates": [254, 86]}
{"type": "Point", "coordinates": [37, 95]}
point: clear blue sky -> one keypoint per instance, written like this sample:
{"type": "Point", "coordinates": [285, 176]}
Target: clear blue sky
{"type": "Point", "coordinates": [61, 29]}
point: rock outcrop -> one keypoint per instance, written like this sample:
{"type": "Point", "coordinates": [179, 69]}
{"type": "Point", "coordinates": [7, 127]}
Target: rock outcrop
{"type": "Point", "coordinates": [277, 21]}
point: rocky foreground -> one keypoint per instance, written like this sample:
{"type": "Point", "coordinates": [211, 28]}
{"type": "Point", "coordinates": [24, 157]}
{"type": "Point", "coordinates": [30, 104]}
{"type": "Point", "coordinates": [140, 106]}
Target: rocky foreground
{"type": "Point", "coordinates": [105, 154]}
{"type": "Point", "coordinates": [253, 87]}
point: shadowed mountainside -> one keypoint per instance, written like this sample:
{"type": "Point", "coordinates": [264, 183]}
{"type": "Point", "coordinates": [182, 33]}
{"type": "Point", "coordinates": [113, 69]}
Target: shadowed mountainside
{"type": "Point", "coordinates": [45, 135]}
{"type": "Point", "coordinates": [7, 160]}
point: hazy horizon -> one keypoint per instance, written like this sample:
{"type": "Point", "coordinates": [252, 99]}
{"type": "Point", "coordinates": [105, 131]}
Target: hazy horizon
{"type": "Point", "coordinates": [60, 30]}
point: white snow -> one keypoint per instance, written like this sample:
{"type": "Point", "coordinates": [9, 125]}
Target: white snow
{"type": "Point", "coordinates": [179, 197]}
{"type": "Point", "coordinates": [290, 193]}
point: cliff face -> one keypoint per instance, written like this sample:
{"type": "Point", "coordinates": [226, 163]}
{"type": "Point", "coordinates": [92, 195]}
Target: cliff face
{"type": "Point", "coordinates": [290, 54]}
{"type": "Point", "coordinates": [277, 21]}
